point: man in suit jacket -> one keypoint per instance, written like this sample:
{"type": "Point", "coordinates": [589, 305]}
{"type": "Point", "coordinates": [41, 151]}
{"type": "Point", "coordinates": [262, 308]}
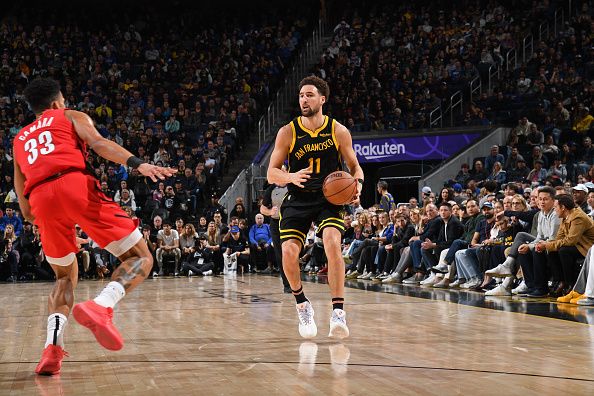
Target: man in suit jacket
{"type": "Point", "coordinates": [450, 229]}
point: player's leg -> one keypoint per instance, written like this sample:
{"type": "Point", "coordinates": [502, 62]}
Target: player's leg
{"type": "Point", "coordinates": [96, 314]}
{"type": "Point", "coordinates": [59, 304]}
{"type": "Point", "coordinates": [58, 239]}
{"type": "Point", "coordinates": [294, 225]}
{"type": "Point", "coordinates": [336, 273]}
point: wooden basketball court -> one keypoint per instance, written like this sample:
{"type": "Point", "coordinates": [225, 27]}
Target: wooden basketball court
{"type": "Point", "coordinates": [223, 336]}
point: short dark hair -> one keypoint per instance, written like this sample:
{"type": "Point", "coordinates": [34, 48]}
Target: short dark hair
{"type": "Point", "coordinates": [446, 203]}
{"type": "Point", "coordinates": [382, 184]}
{"type": "Point", "coordinates": [490, 185]}
{"type": "Point", "coordinates": [513, 186]}
{"type": "Point", "coordinates": [548, 190]}
{"type": "Point", "coordinates": [565, 200]}
{"type": "Point", "coordinates": [40, 93]}
{"type": "Point", "coordinates": [317, 82]}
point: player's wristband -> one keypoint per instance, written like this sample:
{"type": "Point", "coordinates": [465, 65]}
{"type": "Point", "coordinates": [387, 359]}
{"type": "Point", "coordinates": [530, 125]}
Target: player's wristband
{"type": "Point", "coordinates": [134, 162]}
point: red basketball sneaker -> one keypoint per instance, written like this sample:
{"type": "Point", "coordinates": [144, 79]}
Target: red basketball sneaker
{"type": "Point", "coordinates": [51, 360]}
{"type": "Point", "coordinates": [98, 319]}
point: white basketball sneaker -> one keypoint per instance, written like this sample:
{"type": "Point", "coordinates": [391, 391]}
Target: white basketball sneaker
{"type": "Point", "coordinates": [338, 326]}
{"type": "Point", "coordinates": [307, 324]}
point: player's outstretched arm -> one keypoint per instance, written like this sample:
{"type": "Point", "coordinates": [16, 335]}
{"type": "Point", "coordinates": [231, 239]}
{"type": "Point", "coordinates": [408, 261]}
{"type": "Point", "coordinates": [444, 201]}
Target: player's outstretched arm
{"type": "Point", "coordinates": [83, 124]}
{"type": "Point", "coordinates": [345, 145]}
{"type": "Point", "coordinates": [282, 146]}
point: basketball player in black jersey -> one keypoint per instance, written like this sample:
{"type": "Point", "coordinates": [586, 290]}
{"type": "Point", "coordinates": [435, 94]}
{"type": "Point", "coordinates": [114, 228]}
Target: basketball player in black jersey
{"type": "Point", "coordinates": [315, 145]}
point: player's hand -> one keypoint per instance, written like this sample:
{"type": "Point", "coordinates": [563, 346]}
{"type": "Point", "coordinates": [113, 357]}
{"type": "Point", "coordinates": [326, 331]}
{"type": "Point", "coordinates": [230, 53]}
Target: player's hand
{"type": "Point", "coordinates": [156, 172]}
{"type": "Point", "coordinates": [300, 177]}
{"type": "Point", "coordinates": [356, 198]}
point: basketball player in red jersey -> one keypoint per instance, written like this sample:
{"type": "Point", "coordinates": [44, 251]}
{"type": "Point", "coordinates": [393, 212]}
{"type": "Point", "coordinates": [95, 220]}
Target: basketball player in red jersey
{"type": "Point", "coordinates": [315, 146]}
{"type": "Point", "coordinates": [56, 192]}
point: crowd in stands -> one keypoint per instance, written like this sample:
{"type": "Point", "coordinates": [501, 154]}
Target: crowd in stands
{"type": "Point", "coordinates": [176, 89]}
{"type": "Point", "coordinates": [390, 65]}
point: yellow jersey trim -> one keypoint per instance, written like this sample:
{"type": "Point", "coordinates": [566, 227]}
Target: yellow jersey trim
{"type": "Point", "coordinates": [294, 138]}
{"type": "Point", "coordinates": [309, 131]}
{"type": "Point", "coordinates": [283, 230]}
{"type": "Point", "coordinates": [334, 136]}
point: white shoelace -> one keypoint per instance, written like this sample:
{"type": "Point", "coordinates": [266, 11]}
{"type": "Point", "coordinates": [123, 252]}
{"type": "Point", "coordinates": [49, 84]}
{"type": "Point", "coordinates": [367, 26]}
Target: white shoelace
{"type": "Point", "coordinates": [337, 318]}
{"type": "Point", "coordinates": [304, 315]}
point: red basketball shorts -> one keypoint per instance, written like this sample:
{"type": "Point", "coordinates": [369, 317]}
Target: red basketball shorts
{"type": "Point", "coordinates": [75, 198]}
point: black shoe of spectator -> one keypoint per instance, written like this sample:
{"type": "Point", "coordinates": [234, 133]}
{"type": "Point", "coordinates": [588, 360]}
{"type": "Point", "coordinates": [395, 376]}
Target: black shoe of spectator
{"type": "Point", "coordinates": [536, 293]}
{"type": "Point", "coordinates": [11, 279]}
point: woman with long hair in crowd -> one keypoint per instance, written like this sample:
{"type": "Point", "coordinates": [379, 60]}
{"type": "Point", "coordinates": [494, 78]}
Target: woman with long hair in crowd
{"type": "Point", "coordinates": [9, 234]}
{"type": "Point", "coordinates": [214, 240]}
{"type": "Point", "coordinates": [446, 195]}
{"type": "Point", "coordinates": [187, 242]}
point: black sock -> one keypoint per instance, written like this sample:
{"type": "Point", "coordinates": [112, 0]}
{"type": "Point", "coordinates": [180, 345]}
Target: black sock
{"type": "Point", "coordinates": [338, 303]}
{"type": "Point", "coordinates": [299, 295]}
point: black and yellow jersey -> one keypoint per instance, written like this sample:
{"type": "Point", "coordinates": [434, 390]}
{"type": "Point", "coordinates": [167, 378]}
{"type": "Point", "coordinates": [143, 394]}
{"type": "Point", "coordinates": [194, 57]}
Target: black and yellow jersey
{"type": "Point", "coordinates": [317, 150]}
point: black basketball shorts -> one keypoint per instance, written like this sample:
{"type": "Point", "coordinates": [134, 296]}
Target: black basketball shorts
{"type": "Point", "coordinates": [300, 209]}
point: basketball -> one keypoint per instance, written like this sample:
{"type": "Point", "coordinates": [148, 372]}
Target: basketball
{"type": "Point", "coordinates": [339, 188]}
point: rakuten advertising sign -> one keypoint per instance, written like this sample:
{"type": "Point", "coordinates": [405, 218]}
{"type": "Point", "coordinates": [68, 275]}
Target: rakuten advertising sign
{"type": "Point", "coordinates": [413, 148]}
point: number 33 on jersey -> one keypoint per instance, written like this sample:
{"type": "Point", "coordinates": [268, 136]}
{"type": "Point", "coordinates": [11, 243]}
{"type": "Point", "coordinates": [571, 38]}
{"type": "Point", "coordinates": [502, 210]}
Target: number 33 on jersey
{"type": "Point", "coordinates": [48, 146]}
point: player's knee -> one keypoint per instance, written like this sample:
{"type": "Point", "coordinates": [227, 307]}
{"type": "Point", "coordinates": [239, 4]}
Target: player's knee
{"type": "Point", "coordinates": [63, 284]}
{"type": "Point", "coordinates": [291, 250]}
{"type": "Point", "coordinates": [148, 259]}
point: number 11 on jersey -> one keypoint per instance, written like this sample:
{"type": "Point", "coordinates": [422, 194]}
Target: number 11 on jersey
{"type": "Point", "coordinates": [315, 169]}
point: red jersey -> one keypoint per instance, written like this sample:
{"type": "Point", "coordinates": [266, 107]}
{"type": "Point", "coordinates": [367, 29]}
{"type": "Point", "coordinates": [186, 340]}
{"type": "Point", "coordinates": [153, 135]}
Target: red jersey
{"type": "Point", "coordinates": [48, 146]}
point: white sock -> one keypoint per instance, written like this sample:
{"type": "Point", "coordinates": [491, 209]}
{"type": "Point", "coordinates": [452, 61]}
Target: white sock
{"type": "Point", "coordinates": [111, 295]}
{"type": "Point", "coordinates": [509, 261]}
{"type": "Point", "coordinates": [507, 282]}
{"type": "Point", "coordinates": [56, 323]}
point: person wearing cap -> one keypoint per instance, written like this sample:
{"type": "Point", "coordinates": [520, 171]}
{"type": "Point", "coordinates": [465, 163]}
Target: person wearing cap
{"type": "Point", "coordinates": [239, 247]}
{"type": "Point", "coordinates": [201, 259]}
{"type": "Point", "coordinates": [580, 197]}
{"type": "Point", "coordinates": [425, 195]}
{"type": "Point", "coordinates": [172, 203]}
